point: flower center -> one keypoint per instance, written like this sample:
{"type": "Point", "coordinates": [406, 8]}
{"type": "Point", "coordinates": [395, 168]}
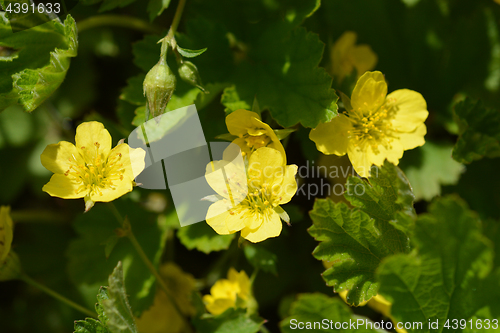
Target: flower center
{"type": "Point", "coordinates": [373, 128]}
{"type": "Point", "coordinates": [258, 198]}
{"type": "Point", "coordinates": [257, 141]}
{"type": "Point", "coordinates": [261, 198]}
{"type": "Point", "coordinates": [97, 172]}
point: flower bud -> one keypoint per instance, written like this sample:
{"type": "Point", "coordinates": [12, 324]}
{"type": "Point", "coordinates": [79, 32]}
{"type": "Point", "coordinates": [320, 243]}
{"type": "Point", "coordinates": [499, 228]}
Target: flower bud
{"type": "Point", "coordinates": [189, 73]}
{"type": "Point", "coordinates": [159, 86]}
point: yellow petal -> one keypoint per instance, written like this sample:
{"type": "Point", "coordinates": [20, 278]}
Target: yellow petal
{"type": "Point", "coordinates": [239, 121]}
{"type": "Point", "coordinates": [363, 58]}
{"type": "Point", "coordinates": [245, 150]}
{"type": "Point", "coordinates": [58, 157]}
{"type": "Point", "coordinates": [90, 133]}
{"type": "Point", "coordinates": [265, 166]}
{"type": "Point", "coordinates": [275, 142]}
{"type": "Point", "coordinates": [62, 186]}
{"type": "Point", "coordinates": [132, 159]}
{"type": "Point", "coordinates": [219, 305]}
{"type": "Point", "coordinates": [110, 193]}
{"type": "Point", "coordinates": [271, 227]}
{"type": "Point", "coordinates": [413, 139]}
{"type": "Point", "coordinates": [332, 137]}
{"type": "Point", "coordinates": [224, 289]}
{"type": "Point", "coordinates": [228, 180]}
{"type": "Point", "coordinates": [237, 221]}
{"type": "Point", "coordinates": [289, 185]}
{"type": "Point", "coordinates": [6, 232]}
{"type": "Point", "coordinates": [216, 217]}
{"type": "Point", "coordinates": [245, 285]}
{"type": "Point", "coordinates": [411, 109]}
{"type": "Point", "coordinates": [369, 93]}
{"type": "Point", "coordinates": [252, 220]}
{"type": "Point", "coordinates": [392, 151]}
{"type": "Point", "coordinates": [341, 64]}
{"type": "Point", "coordinates": [360, 160]}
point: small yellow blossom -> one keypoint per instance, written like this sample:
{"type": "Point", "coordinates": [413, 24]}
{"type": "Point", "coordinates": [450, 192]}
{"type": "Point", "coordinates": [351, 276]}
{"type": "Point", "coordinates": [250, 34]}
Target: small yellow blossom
{"type": "Point", "coordinates": [252, 133]}
{"type": "Point", "coordinates": [91, 170]}
{"type": "Point", "coordinates": [233, 292]}
{"type": "Point", "coordinates": [251, 197]}
{"type": "Point", "coordinates": [345, 56]}
{"type": "Point", "coordinates": [376, 127]}
{"type": "Point", "coordinates": [162, 317]}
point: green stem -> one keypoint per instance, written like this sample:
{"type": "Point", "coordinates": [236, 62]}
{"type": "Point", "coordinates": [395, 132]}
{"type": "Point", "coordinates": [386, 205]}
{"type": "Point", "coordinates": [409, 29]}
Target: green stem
{"type": "Point", "coordinates": [177, 17]}
{"type": "Point", "coordinates": [170, 37]}
{"type": "Point", "coordinates": [254, 275]}
{"type": "Point", "coordinates": [148, 262]}
{"type": "Point", "coordinates": [117, 21]}
{"type": "Point", "coordinates": [56, 295]}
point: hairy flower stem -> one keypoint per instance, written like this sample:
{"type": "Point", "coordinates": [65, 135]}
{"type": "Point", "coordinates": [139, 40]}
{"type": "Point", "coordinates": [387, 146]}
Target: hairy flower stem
{"type": "Point", "coordinates": [170, 37]}
{"type": "Point", "coordinates": [57, 296]}
{"type": "Point", "coordinates": [147, 262]}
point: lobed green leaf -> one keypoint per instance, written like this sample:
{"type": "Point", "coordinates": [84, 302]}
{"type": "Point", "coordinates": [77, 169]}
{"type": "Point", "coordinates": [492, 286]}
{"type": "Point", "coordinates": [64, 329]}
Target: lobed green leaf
{"type": "Point", "coordinates": [479, 132]}
{"type": "Point", "coordinates": [448, 275]}
{"type": "Point", "coordinates": [42, 59]}
{"type": "Point", "coordinates": [356, 240]}
{"type": "Point", "coordinates": [319, 313]}
{"type": "Point", "coordinates": [117, 309]}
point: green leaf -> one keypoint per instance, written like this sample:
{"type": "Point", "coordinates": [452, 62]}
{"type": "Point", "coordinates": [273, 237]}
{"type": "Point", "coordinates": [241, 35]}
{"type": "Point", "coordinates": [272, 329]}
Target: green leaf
{"type": "Point", "coordinates": [102, 296]}
{"type": "Point", "coordinates": [479, 132]}
{"type": "Point", "coordinates": [90, 325]}
{"type": "Point", "coordinates": [187, 53]}
{"type": "Point", "coordinates": [429, 167]}
{"type": "Point", "coordinates": [309, 309]}
{"type": "Point", "coordinates": [231, 321]}
{"type": "Point", "coordinates": [388, 198]}
{"type": "Point", "coordinates": [283, 74]}
{"type": "Point", "coordinates": [355, 240]}
{"type": "Point", "coordinates": [202, 237]}
{"type": "Point", "coordinates": [117, 308]}
{"type": "Point", "coordinates": [156, 7]}
{"type": "Point", "coordinates": [41, 64]}
{"type": "Point", "coordinates": [87, 262]}
{"type": "Point", "coordinates": [261, 258]}
{"type": "Point", "coordinates": [147, 52]}
{"type": "Point", "coordinates": [133, 92]}
{"type": "Point", "coordinates": [447, 275]}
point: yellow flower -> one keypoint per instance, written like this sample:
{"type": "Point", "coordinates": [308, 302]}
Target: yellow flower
{"type": "Point", "coordinates": [345, 56]}
{"type": "Point", "coordinates": [235, 291]}
{"type": "Point", "coordinates": [162, 317]}
{"type": "Point", "coordinates": [91, 170]}
{"type": "Point", "coordinates": [250, 199]}
{"type": "Point", "coordinates": [252, 133]}
{"type": "Point", "coordinates": [376, 127]}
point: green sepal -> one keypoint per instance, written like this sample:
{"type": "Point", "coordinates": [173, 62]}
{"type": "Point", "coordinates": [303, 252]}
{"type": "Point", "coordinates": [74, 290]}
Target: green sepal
{"type": "Point", "coordinates": [187, 53]}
